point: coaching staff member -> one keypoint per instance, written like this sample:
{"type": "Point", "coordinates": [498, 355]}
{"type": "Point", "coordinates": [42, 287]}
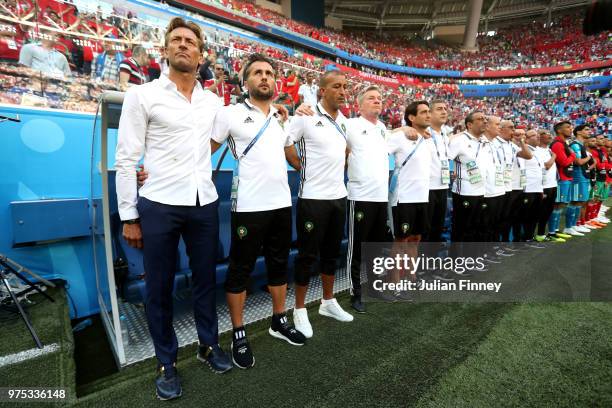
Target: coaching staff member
{"type": "Point", "coordinates": [169, 121]}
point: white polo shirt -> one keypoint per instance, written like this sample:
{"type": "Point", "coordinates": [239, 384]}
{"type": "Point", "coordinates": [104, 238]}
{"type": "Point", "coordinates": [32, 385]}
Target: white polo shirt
{"type": "Point", "coordinates": [533, 169]}
{"type": "Point", "coordinates": [550, 177]}
{"type": "Point", "coordinates": [413, 179]}
{"type": "Point", "coordinates": [465, 148]}
{"type": "Point", "coordinates": [321, 142]}
{"type": "Point", "coordinates": [368, 161]}
{"type": "Point", "coordinates": [494, 181]}
{"type": "Point", "coordinates": [263, 183]}
{"type": "Point", "coordinates": [439, 153]}
{"type": "Point", "coordinates": [517, 166]}
{"type": "Point", "coordinates": [173, 134]}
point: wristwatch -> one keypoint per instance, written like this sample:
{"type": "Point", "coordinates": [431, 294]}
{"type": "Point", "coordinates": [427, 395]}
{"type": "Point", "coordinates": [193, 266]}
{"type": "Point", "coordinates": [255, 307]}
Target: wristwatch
{"type": "Point", "coordinates": [133, 221]}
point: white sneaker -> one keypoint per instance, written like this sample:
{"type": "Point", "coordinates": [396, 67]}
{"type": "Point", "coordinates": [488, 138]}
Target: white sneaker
{"type": "Point", "coordinates": [591, 227]}
{"type": "Point", "coordinates": [331, 308]}
{"type": "Point", "coordinates": [301, 322]}
{"type": "Point", "coordinates": [602, 219]}
{"type": "Point", "coordinates": [581, 228]}
{"type": "Point", "coordinates": [573, 232]}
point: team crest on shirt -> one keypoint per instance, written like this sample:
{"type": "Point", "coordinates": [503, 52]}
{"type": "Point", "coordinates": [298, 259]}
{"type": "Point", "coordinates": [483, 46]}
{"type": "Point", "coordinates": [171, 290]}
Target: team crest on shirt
{"type": "Point", "coordinates": [343, 128]}
{"type": "Point", "coordinates": [248, 120]}
{"type": "Point", "coordinates": [319, 124]}
{"type": "Point", "coordinates": [382, 133]}
{"type": "Point", "coordinates": [359, 216]}
{"type": "Point", "coordinates": [365, 132]}
{"type": "Point", "coordinates": [405, 227]}
{"type": "Point", "coordinates": [242, 231]}
{"type": "Point", "coordinates": [308, 226]}
{"type": "Point", "coordinates": [466, 204]}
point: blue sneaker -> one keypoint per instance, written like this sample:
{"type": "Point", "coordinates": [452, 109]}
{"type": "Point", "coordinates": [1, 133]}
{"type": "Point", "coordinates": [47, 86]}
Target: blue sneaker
{"type": "Point", "coordinates": [215, 358]}
{"type": "Point", "coordinates": [168, 383]}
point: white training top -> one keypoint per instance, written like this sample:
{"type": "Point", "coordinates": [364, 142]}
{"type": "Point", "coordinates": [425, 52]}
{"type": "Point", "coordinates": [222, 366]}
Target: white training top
{"type": "Point", "coordinates": [322, 145]}
{"type": "Point", "coordinates": [368, 161]}
{"type": "Point", "coordinates": [413, 180]}
{"type": "Point", "coordinates": [550, 179]}
{"type": "Point", "coordinates": [533, 169]}
{"type": "Point", "coordinates": [263, 183]}
{"type": "Point", "coordinates": [465, 148]}
{"type": "Point", "coordinates": [517, 165]}
{"type": "Point", "coordinates": [439, 153]}
{"type": "Point", "coordinates": [508, 152]}
{"type": "Point", "coordinates": [173, 134]}
{"type": "Point", "coordinates": [494, 181]}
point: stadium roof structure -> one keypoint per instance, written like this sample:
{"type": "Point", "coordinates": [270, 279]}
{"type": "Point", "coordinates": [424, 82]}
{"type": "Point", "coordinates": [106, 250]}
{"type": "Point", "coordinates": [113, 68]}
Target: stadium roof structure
{"type": "Point", "coordinates": [422, 15]}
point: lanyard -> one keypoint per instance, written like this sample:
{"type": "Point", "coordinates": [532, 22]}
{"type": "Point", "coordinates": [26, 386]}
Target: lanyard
{"type": "Point", "coordinates": [534, 156]}
{"type": "Point", "coordinates": [333, 122]}
{"type": "Point", "coordinates": [477, 141]}
{"type": "Point", "coordinates": [256, 138]}
{"type": "Point", "coordinates": [411, 153]}
{"type": "Point", "coordinates": [433, 135]}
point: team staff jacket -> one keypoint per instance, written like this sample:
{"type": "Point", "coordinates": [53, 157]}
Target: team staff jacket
{"type": "Point", "coordinates": [563, 159]}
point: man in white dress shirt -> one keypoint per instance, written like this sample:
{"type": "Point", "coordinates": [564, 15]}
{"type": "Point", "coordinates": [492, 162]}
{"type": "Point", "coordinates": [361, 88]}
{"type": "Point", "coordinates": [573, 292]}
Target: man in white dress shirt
{"type": "Point", "coordinates": [168, 121]}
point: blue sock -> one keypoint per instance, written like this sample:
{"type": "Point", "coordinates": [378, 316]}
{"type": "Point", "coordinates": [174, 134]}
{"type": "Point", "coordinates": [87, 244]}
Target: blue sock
{"type": "Point", "coordinates": [553, 222]}
{"type": "Point", "coordinates": [569, 212]}
{"type": "Point", "coordinates": [573, 212]}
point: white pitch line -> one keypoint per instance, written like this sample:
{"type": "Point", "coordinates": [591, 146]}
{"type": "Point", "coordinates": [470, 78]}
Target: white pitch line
{"type": "Point", "coordinates": [27, 355]}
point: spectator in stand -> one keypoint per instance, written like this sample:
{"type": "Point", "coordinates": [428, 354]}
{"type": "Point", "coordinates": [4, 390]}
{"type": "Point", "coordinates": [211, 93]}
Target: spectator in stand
{"type": "Point", "coordinates": [44, 57]}
{"type": "Point", "coordinates": [309, 90]}
{"type": "Point", "coordinates": [131, 70]}
{"type": "Point", "coordinates": [292, 86]}
{"type": "Point", "coordinates": [219, 85]}
{"type": "Point", "coordinates": [154, 68]}
{"type": "Point", "coordinates": [106, 68]}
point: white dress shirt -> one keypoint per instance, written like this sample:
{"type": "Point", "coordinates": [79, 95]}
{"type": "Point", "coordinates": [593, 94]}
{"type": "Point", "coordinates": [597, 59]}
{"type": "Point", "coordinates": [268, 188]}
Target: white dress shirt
{"type": "Point", "coordinates": [173, 134]}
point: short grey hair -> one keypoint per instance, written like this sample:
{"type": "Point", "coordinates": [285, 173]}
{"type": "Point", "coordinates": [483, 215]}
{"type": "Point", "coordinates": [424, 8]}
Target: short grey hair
{"type": "Point", "coordinates": [362, 94]}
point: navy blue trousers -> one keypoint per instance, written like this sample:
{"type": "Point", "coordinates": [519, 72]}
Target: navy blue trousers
{"type": "Point", "coordinates": [162, 227]}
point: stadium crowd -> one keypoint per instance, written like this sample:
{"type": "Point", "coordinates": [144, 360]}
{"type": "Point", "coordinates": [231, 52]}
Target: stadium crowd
{"type": "Point", "coordinates": [530, 45]}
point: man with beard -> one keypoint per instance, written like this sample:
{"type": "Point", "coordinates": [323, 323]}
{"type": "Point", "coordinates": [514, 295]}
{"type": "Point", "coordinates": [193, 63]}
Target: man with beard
{"type": "Point", "coordinates": [549, 185]}
{"type": "Point", "coordinates": [565, 165]}
{"type": "Point", "coordinates": [321, 207]}
{"type": "Point", "coordinates": [261, 203]}
{"type": "Point", "coordinates": [169, 122]}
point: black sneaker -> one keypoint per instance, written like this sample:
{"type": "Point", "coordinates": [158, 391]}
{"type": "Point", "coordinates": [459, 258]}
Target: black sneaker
{"type": "Point", "coordinates": [242, 356]}
{"type": "Point", "coordinates": [167, 383]}
{"type": "Point", "coordinates": [215, 358]}
{"type": "Point", "coordinates": [357, 304]}
{"type": "Point", "coordinates": [282, 329]}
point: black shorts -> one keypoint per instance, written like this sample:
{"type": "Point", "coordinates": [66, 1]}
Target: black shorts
{"type": "Point", "coordinates": [410, 219]}
{"type": "Point", "coordinates": [320, 229]}
{"type": "Point", "coordinates": [253, 232]}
